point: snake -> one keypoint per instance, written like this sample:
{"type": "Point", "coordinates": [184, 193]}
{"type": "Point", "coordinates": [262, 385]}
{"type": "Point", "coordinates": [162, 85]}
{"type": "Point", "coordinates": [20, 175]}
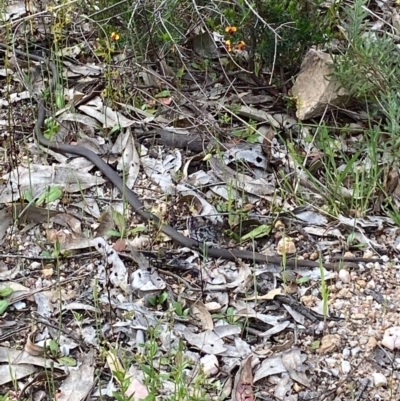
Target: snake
{"type": "Point", "coordinates": [132, 198]}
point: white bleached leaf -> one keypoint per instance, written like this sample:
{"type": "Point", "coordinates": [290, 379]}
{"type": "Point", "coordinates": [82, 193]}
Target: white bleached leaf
{"type": "Point", "coordinates": [117, 273]}
{"type": "Point", "coordinates": [105, 115]}
{"type": "Point", "coordinates": [129, 161]}
{"type": "Point", "coordinates": [37, 178]}
{"type": "Point", "coordinates": [207, 341]}
{"type": "Point", "coordinates": [269, 367]}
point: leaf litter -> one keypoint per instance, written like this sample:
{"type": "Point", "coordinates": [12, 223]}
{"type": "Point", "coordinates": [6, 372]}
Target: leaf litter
{"type": "Point", "coordinates": [237, 318]}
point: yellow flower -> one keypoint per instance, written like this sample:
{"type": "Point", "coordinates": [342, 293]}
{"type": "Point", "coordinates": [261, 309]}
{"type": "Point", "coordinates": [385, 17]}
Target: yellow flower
{"type": "Point", "coordinates": [230, 29]}
{"type": "Point", "coordinates": [240, 45]}
{"type": "Point", "coordinates": [114, 36]}
{"type": "Point", "coordinates": [228, 45]}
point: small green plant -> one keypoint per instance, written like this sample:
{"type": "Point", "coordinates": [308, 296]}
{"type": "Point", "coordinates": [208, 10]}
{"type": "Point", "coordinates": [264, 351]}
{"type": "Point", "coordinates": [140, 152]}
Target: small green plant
{"type": "Point", "coordinates": [56, 252]}
{"type": "Point", "coordinates": [4, 293]}
{"type": "Point", "coordinates": [230, 317]}
{"type": "Point", "coordinates": [259, 232]}
{"type": "Point", "coordinates": [51, 128]}
{"type": "Point", "coordinates": [324, 290]}
{"type": "Point", "coordinates": [158, 300]}
{"type": "Point", "coordinates": [51, 194]}
{"type": "Point", "coordinates": [124, 382]}
{"type": "Point", "coordinates": [225, 119]}
{"type": "Point", "coordinates": [249, 134]}
{"type": "Point", "coordinates": [122, 230]}
{"type": "Point", "coordinates": [180, 310]}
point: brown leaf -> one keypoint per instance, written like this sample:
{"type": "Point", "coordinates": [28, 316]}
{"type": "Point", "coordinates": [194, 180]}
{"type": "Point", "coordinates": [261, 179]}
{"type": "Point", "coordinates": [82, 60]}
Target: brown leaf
{"type": "Point", "coordinates": [267, 144]}
{"type": "Point", "coordinates": [243, 388]}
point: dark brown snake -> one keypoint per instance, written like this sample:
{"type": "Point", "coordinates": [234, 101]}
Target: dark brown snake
{"type": "Point", "coordinates": [133, 199]}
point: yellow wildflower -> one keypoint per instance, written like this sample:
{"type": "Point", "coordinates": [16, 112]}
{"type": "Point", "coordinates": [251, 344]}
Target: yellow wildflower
{"type": "Point", "coordinates": [230, 29]}
{"type": "Point", "coordinates": [114, 36]}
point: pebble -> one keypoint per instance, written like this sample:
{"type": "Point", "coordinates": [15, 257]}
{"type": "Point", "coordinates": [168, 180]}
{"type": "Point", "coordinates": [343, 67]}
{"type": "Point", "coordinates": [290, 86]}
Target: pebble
{"type": "Point", "coordinates": [362, 283]}
{"type": "Point", "coordinates": [346, 367]}
{"type": "Point", "coordinates": [379, 379]}
{"type": "Point", "coordinates": [356, 351]}
{"type": "Point", "coordinates": [210, 365]}
{"type": "Point", "coordinates": [345, 353]}
{"type": "Point", "coordinates": [345, 293]}
{"type": "Point", "coordinates": [371, 344]}
{"type": "Point", "coordinates": [358, 316]}
{"type": "Point", "coordinates": [344, 276]}
{"type": "Point", "coordinates": [371, 285]}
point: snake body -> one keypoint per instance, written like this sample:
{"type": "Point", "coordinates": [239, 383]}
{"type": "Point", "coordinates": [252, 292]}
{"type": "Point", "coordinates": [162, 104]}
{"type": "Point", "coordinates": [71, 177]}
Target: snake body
{"type": "Point", "coordinates": [131, 196]}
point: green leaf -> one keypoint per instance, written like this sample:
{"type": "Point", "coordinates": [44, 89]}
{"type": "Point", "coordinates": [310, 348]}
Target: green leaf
{"type": "Point", "coordinates": [152, 300]}
{"type": "Point", "coordinates": [253, 138]}
{"type": "Point", "coordinates": [137, 229]}
{"type": "Point", "coordinates": [53, 346]}
{"type": "Point", "coordinates": [180, 72]}
{"type": "Point", "coordinates": [119, 220]}
{"type": "Point", "coordinates": [6, 292]}
{"type": "Point", "coordinates": [303, 279]}
{"type": "Point", "coordinates": [178, 308]}
{"type": "Point", "coordinates": [162, 297]}
{"type": "Point", "coordinates": [50, 195]}
{"type": "Point", "coordinates": [165, 93]}
{"type": "Point", "coordinates": [113, 233]}
{"type": "Point", "coordinates": [3, 306]}
{"type": "Point", "coordinates": [60, 100]}
{"type": "Point", "coordinates": [27, 195]}
{"type": "Point", "coordinates": [66, 361]}
{"type": "Point", "coordinates": [258, 232]}
{"type": "Point", "coordinates": [115, 128]}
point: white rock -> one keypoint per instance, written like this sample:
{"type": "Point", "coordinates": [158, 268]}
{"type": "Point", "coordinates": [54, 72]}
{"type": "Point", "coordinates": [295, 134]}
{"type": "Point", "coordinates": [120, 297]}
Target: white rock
{"type": "Point", "coordinates": [391, 338]}
{"type": "Point", "coordinates": [346, 367]}
{"type": "Point", "coordinates": [313, 91]}
{"type": "Point", "coordinates": [371, 285]}
{"type": "Point", "coordinates": [210, 365]}
{"type": "Point", "coordinates": [379, 379]}
{"type": "Point", "coordinates": [213, 306]}
{"type": "Point", "coordinates": [344, 275]}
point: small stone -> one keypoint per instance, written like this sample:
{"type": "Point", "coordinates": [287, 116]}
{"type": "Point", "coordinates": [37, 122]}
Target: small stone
{"type": "Point", "coordinates": [344, 276]}
{"type": "Point", "coordinates": [330, 362]}
{"type": "Point", "coordinates": [356, 351]}
{"type": "Point", "coordinates": [213, 306]}
{"type": "Point", "coordinates": [47, 273]}
{"type": "Point", "coordinates": [345, 353]}
{"type": "Point", "coordinates": [339, 285]}
{"type": "Point", "coordinates": [35, 265]}
{"type": "Point", "coordinates": [379, 379]}
{"type": "Point", "coordinates": [368, 255]}
{"type": "Point", "coordinates": [329, 343]}
{"type": "Point", "coordinates": [371, 344]}
{"type": "Point", "coordinates": [371, 285]}
{"type": "Point", "coordinates": [210, 365]}
{"type": "Point", "coordinates": [358, 316]}
{"type": "Point", "coordinates": [361, 283]}
{"type": "Point", "coordinates": [391, 338]}
{"type": "Point", "coordinates": [286, 246]}
{"type": "Point", "coordinates": [345, 293]}
{"type": "Point", "coordinates": [346, 367]}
